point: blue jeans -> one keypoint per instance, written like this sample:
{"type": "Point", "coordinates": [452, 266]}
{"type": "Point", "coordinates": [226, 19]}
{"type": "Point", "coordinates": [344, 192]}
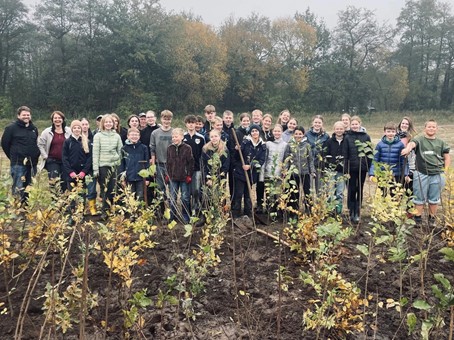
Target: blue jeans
{"type": "Point", "coordinates": [161, 173]}
{"type": "Point", "coordinates": [91, 190]}
{"type": "Point", "coordinates": [339, 186]}
{"type": "Point", "coordinates": [175, 187]}
{"type": "Point", "coordinates": [22, 177]}
{"type": "Point", "coordinates": [195, 190]}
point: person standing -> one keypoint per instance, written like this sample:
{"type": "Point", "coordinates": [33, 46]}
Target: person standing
{"type": "Point", "coordinates": [432, 162]}
{"type": "Point", "coordinates": [19, 142]}
{"type": "Point", "coordinates": [91, 185]}
{"type": "Point", "coordinates": [50, 144]}
{"type": "Point", "coordinates": [316, 136]}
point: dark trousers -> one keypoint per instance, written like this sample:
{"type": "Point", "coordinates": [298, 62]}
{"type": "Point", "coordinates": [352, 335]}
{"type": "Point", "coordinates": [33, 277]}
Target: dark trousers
{"type": "Point", "coordinates": [241, 192]}
{"type": "Point", "coordinates": [302, 182]}
{"type": "Point", "coordinates": [107, 180]}
{"type": "Point", "coordinates": [54, 168]}
{"type": "Point", "coordinates": [355, 189]}
{"type": "Point", "coordinates": [260, 192]}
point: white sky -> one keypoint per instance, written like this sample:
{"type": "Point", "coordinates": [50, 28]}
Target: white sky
{"type": "Point", "coordinates": [215, 12]}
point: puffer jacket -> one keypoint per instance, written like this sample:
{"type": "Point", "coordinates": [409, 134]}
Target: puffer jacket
{"type": "Point", "coordinates": [334, 153]}
{"type": "Point", "coordinates": [389, 152]}
{"type": "Point", "coordinates": [180, 162]}
{"type": "Point", "coordinates": [207, 154]}
{"type": "Point", "coordinates": [74, 158]}
{"type": "Point", "coordinates": [299, 155]}
{"type": "Point", "coordinates": [353, 161]}
{"type": "Point", "coordinates": [134, 158]}
{"type": "Point", "coordinates": [254, 155]}
{"type": "Point", "coordinates": [317, 141]}
{"type": "Point", "coordinates": [106, 150]}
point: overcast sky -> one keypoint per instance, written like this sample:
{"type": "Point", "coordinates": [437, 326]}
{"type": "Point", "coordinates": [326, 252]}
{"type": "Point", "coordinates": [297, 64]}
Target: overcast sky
{"type": "Point", "coordinates": [215, 12]}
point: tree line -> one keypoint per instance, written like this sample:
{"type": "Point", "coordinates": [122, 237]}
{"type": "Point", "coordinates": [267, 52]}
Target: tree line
{"type": "Point", "coordinates": [84, 56]}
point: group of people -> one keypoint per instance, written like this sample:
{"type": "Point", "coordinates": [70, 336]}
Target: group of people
{"type": "Point", "coordinates": [256, 152]}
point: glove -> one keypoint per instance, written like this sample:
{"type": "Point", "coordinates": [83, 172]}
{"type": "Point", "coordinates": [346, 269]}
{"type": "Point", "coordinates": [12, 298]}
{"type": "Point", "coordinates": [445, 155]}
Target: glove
{"type": "Point", "coordinates": [166, 179]}
{"type": "Point", "coordinates": [81, 175]}
{"type": "Point", "coordinates": [188, 179]}
{"type": "Point", "coordinates": [72, 175]}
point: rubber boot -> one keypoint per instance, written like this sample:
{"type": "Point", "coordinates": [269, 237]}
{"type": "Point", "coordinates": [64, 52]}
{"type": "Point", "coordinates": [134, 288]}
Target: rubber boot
{"type": "Point", "coordinates": [352, 210]}
{"type": "Point", "coordinates": [92, 207]}
{"type": "Point", "coordinates": [356, 217]}
{"type": "Point", "coordinates": [339, 209]}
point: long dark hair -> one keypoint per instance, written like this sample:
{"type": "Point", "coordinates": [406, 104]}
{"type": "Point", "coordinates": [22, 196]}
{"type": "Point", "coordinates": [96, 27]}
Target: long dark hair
{"type": "Point", "coordinates": [63, 124]}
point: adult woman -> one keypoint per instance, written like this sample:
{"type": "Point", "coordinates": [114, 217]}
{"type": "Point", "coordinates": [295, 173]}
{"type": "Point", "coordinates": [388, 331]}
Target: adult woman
{"type": "Point", "coordinates": [298, 158]}
{"type": "Point", "coordinates": [291, 126]}
{"type": "Point", "coordinates": [406, 131]}
{"type": "Point", "coordinates": [357, 165]}
{"type": "Point", "coordinates": [107, 146]}
{"type": "Point", "coordinates": [50, 145]}
{"type": "Point", "coordinates": [284, 118]}
{"type": "Point", "coordinates": [122, 131]}
{"type": "Point", "coordinates": [316, 136]}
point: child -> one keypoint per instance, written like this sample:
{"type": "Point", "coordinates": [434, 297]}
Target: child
{"type": "Point", "coordinates": [298, 158]}
{"type": "Point", "coordinates": [356, 164]}
{"type": "Point", "coordinates": [242, 131]}
{"type": "Point", "coordinates": [257, 117]}
{"type": "Point", "coordinates": [135, 158]}
{"type": "Point", "coordinates": [160, 139]}
{"type": "Point", "coordinates": [288, 133]}
{"type": "Point", "coordinates": [267, 131]}
{"type": "Point", "coordinates": [199, 125]}
{"type": "Point", "coordinates": [229, 128]}
{"type": "Point", "coordinates": [107, 146]}
{"type": "Point", "coordinates": [406, 131]}
{"type": "Point", "coordinates": [283, 119]}
{"type": "Point", "coordinates": [210, 113]}
{"type": "Point", "coordinates": [335, 159]}
{"type": "Point", "coordinates": [196, 142]}
{"type": "Point", "coordinates": [214, 146]}
{"type": "Point", "coordinates": [388, 151]}
{"type": "Point", "coordinates": [180, 167]}
{"type": "Point", "coordinates": [432, 162]}
{"type": "Point", "coordinates": [91, 185]}
{"type": "Point", "coordinates": [275, 150]}
{"type": "Point", "coordinates": [316, 136]}
{"type": "Point", "coordinates": [253, 151]}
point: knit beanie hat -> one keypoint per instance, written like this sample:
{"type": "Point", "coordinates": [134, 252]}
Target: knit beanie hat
{"type": "Point", "coordinates": [254, 126]}
{"type": "Point", "coordinates": [76, 123]}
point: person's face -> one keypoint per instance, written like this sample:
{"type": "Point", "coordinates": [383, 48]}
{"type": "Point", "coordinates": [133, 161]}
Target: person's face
{"type": "Point", "coordinates": [291, 125]}
{"type": "Point", "coordinates": [76, 130]}
{"type": "Point", "coordinates": [255, 134]}
{"type": "Point", "coordinates": [134, 137]}
{"type": "Point", "coordinates": [109, 124]}
{"type": "Point", "coordinates": [57, 119]}
{"type": "Point", "coordinates": [151, 119]}
{"type": "Point", "coordinates": [266, 123]}
{"type": "Point", "coordinates": [218, 126]}
{"type": "Point", "coordinates": [115, 122]}
{"type": "Point", "coordinates": [404, 125]}
{"type": "Point", "coordinates": [317, 124]}
{"type": "Point", "coordinates": [285, 117]}
{"type": "Point", "coordinates": [134, 122]}
{"type": "Point", "coordinates": [166, 121]}
{"type": "Point", "coordinates": [390, 133]}
{"type": "Point", "coordinates": [215, 138]}
{"type": "Point", "coordinates": [198, 126]}
{"type": "Point", "coordinates": [277, 133]}
{"type": "Point", "coordinates": [245, 122]}
{"type": "Point", "coordinates": [210, 115]}
{"type": "Point", "coordinates": [431, 129]}
{"type": "Point", "coordinates": [143, 121]}
{"type": "Point", "coordinates": [85, 125]}
{"type": "Point", "coordinates": [228, 120]}
{"type": "Point", "coordinates": [177, 138]}
{"type": "Point", "coordinates": [346, 122]}
{"type": "Point", "coordinates": [256, 118]}
{"type": "Point", "coordinates": [355, 125]}
{"type": "Point", "coordinates": [298, 135]}
{"type": "Point", "coordinates": [339, 130]}
{"type": "Point", "coordinates": [24, 116]}
{"type": "Point", "coordinates": [190, 126]}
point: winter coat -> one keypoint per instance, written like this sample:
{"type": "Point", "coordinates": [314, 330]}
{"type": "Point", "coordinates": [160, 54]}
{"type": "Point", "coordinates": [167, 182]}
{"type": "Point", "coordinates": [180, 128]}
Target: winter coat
{"type": "Point", "coordinates": [334, 153]}
{"type": "Point", "coordinates": [353, 161]}
{"type": "Point", "coordinates": [196, 142]}
{"type": "Point", "coordinates": [207, 155]}
{"type": "Point", "coordinates": [287, 135]}
{"type": "Point", "coordinates": [275, 151]}
{"type": "Point", "coordinates": [317, 140]}
{"type": "Point", "coordinates": [300, 156]}
{"type": "Point", "coordinates": [241, 133]}
{"type": "Point", "coordinates": [19, 142]}
{"type": "Point", "coordinates": [74, 157]}
{"type": "Point", "coordinates": [106, 150]}
{"type": "Point", "coordinates": [180, 162]}
{"type": "Point", "coordinates": [45, 140]}
{"type": "Point", "coordinates": [134, 158]}
{"type": "Point", "coordinates": [253, 155]}
{"type": "Point", "coordinates": [389, 152]}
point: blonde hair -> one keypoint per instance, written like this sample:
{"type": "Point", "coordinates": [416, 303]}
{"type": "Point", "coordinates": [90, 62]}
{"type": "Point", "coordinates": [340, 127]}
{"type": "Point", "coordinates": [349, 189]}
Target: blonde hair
{"type": "Point", "coordinates": [167, 114]}
{"type": "Point", "coordinates": [83, 137]}
{"type": "Point", "coordinates": [103, 121]}
{"type": "Point", "coordinates": [357, 119]}
{"type": "Point", "coordinates": [178, 131]}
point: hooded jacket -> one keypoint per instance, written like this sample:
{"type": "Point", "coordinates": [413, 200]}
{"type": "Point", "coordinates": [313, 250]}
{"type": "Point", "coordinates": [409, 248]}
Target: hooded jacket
{"type": "Point", "coordinates": [299, 155]}
{"type": "Point", "coordinates": [134, 158]}
{"type": "Point", "coordinates": [389, 152]}
{"type": "Point", "coordinates": [254, 155]}
{"type": "Point", "coordinates": [317, 141]}
{"type": "Point", "coordinates": [19, 142]}
{"type": "Point", "coordinates": [275, 151]}
{"type": "Point", "coordinates": [74, 158]}
{"type": "Point", "coordinates": [334, 153]}
{"type": "Point", "coordinates": [353, 161]}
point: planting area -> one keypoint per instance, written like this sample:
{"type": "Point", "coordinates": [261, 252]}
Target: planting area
{"type": "Point", "coordinates": [295, 277]}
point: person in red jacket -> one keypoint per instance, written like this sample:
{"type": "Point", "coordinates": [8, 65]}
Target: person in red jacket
{"type": "Point", "coordinates": [179, 166]}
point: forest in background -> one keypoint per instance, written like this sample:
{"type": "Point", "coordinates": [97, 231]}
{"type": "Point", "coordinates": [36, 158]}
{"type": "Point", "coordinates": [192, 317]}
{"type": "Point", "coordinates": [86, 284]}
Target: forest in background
{"type": "Point", "coordinates": [128, 56]}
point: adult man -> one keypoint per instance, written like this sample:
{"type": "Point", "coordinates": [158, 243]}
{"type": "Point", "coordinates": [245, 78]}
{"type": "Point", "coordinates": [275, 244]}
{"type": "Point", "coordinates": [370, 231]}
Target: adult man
{"type": "Point", "coordinates": [142, 120]}
{"type": "Point", "coordinates": [145, 134]}
{"type": "Point", "coordinates": [19, 142]}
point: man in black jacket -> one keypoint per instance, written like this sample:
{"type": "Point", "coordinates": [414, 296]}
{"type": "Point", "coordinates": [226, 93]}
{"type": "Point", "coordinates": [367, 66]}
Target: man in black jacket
{"type": "Point", "coordinates": [19, 142]}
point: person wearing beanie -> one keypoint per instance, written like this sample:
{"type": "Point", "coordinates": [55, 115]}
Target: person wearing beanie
{"type": "Point", "coordinates": [253, 151]}
{"type": "Point", "coordinates": [50, 145]}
